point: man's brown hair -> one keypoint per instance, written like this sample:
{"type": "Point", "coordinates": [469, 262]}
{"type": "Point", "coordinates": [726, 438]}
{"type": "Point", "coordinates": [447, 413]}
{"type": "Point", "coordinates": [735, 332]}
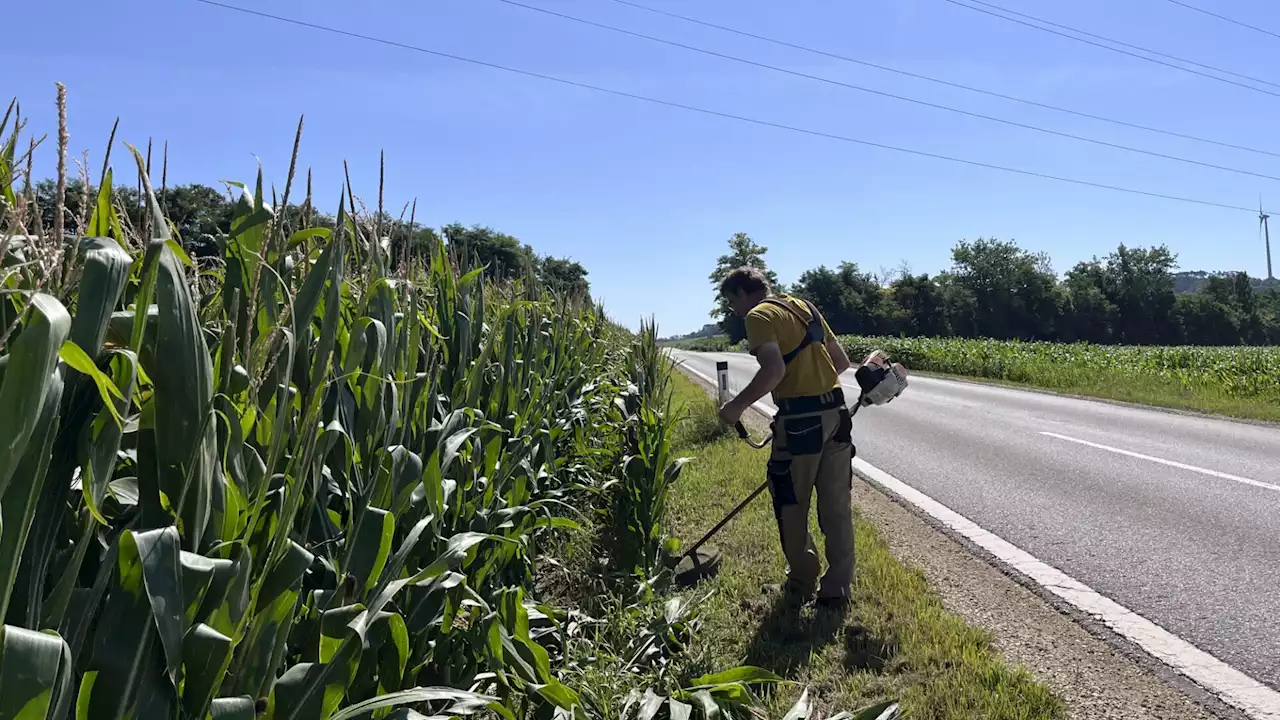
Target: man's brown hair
{"type": "Point", "coordinates": [745, 280]}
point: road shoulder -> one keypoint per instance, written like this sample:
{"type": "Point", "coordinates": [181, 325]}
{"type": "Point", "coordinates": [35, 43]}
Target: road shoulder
{"type": "Point", "coordinates": [1094, 675]}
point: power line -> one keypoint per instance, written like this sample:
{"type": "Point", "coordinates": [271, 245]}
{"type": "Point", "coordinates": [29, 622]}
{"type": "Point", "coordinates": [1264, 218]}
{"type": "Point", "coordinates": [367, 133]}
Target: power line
{"type": "Point", "coordinates": [717, 113]}
{"type": "Point", "coordinates": [903, 98]}
{"type": "Point", "coordinates": [948, 83]}
{"type": "Point", "coordinates": [1233, 21]}
{"type": "Point", "coordinates": [1131, 46]}
{"type": "Point", "coordinates": [1254, 88]}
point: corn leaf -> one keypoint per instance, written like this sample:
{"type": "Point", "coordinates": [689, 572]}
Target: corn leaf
{"type": "Point", "coordinates": [100, 438]}
{"type": "Point", "coordinates": [77, 359]}
{"type": "Point", "coordinates": [205, 652]}
{"type": "Point", "coordinates": [679, 710]}
{"type": "Point", "coordinates": [710, 708]}
{"type": "Point", "coordinates": [369, 546]}
{"type": "Point", "coordinates": [104, 276]}
{"type": "Point", "coordinates": [32, 356]}
{"type": "Point", "coordinates": [303, 693]}
{"type": "Point", "coordinates": [301, 236]}
{"type": "Point", "coordinates": [802, 710]}
{"type": "Point", "coordinates": [461, 701]}
{"type": "Point", "coordinates": [887, 710]}
{"type": "Point", "coordinates": [35, 673]}
{"type": "Point", "coordinates": [159, 555]}
{"type": "Point", "coordinates": [745, 674]}
{"type": "Point", "coordinates": [232, 708]}
{"type": "Point", "coordinates": [182, 373]}
{"type": "Point", "coordinates": [105, 222]}
{"type": "Point", "coordinates": [137, 648]}
{"type": "Point", "coordinates": [19, 501]}
{"type": "Point", "coordinates": [6, 165]}
{"type": "Point", "coordinates": [262, 648]}
{"type": "Point", "coordinates": [561, 695]}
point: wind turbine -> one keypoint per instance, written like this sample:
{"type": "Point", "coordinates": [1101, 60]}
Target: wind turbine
{"type": "Point", "coordinates": [1265, 230]}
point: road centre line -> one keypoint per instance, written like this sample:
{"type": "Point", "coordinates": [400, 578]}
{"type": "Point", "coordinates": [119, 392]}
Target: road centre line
{"type": "Point", "coordinates": [1256, 700]}
{"type": "Point", "coordinates": [1162, 461]}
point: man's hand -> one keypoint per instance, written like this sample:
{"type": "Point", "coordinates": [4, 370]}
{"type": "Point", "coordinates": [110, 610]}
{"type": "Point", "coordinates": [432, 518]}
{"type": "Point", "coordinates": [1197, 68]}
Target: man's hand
{"type": "Point", "coordinates": [771, 371]}
{"type": "Point", "coordinates": [731, 412]}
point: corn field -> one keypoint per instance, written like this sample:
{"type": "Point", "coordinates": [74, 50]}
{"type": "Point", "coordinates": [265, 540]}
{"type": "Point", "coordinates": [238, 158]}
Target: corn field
{"type": "Point", "coordinates": [310, 480]}
{"type": "Point", "coordinates": [1238, 372]}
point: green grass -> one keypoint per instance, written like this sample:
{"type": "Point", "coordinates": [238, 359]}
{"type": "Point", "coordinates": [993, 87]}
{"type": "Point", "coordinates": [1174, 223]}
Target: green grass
{"type": "Point", "coordinates": [897, 641]}
{"type": "Point", "coordinates": [1241, 382]}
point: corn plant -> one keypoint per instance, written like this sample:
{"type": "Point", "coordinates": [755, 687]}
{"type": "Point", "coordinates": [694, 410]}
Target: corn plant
{"type": "Point", "coordinates": [295, 483]}
{"type": "Point", "coordinates": [304, 479]}
{"type": "Point", "coordinates": [648, 466]}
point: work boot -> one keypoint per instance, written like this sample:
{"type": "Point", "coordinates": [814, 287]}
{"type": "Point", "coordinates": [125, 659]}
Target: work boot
{"type": "Point", "coordinates": [790, 591]}
{"type": "Point", "coordinates": [839, 602]}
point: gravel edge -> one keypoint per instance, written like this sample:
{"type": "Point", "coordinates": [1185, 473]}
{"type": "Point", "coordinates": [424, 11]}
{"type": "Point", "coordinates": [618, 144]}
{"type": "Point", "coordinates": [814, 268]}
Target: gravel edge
{"type": "Point", "coordinates": [1096, 672]}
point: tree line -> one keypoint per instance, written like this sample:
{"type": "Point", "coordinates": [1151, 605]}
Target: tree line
{"type": "Point", "coordinates": [201, 214]}
{"type": "Point", "coordinates": [996, 289]}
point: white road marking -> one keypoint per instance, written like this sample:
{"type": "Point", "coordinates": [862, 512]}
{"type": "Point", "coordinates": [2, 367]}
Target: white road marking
{"type": "Point", "coordinates": [1254, 699]}
{"type": "Point", "coordinates": [1232, 686]}
{"type": "Point", "coordinates": [1170, 463]}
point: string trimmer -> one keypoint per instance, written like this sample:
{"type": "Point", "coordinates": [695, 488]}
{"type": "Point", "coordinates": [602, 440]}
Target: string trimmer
{"type": "Point", "coordinates": [880, 382]}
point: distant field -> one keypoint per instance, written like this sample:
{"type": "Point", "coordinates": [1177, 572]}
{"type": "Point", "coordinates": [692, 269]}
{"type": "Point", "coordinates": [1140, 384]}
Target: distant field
{"type": "Point", "coordinates": [719, 343]}
{"type": "Point", "coordinates": [1237, 381]}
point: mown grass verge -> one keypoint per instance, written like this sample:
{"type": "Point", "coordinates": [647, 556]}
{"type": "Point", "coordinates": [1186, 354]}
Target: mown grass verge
{"type": "Point", "coordinates": [897, 641]}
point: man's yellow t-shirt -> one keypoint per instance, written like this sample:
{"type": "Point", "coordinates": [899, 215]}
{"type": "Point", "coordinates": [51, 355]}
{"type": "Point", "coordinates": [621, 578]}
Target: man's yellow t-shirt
{"type": "Point", "coordinates": [811, 372]}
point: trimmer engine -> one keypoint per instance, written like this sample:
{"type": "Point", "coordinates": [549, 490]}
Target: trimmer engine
{"type": "Point", "coordinates": [879, 379]}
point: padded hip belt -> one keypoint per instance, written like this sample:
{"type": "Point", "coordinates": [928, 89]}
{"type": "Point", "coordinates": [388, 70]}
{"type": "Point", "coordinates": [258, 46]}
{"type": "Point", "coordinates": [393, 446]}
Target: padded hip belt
{"type": "Point", "coordinates": [806, 404]}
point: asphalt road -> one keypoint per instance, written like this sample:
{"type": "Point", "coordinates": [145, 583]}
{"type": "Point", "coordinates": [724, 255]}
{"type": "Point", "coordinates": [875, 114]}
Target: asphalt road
{"type": "Point", "coordinates": [1176, 517]}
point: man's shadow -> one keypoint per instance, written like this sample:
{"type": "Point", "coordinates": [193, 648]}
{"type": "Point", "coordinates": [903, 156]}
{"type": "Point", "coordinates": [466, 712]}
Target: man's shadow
{"type": "Point", "coordinates": [788, 635]}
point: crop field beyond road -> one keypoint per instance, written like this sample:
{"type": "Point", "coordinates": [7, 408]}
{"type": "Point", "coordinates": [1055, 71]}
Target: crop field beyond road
{"type": "Point", "coordinates": [1236, 381]}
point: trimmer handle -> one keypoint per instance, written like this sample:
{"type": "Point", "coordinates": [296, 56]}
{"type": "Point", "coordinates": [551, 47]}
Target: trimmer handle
{"type": "Point", "coordinates": [742, 433]}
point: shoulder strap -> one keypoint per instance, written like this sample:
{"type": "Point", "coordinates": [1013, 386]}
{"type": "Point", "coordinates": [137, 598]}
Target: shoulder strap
{"type": "Point", "coordinates": [813, 330]}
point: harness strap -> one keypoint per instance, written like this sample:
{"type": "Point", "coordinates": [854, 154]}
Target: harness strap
{"type": "Point", "coordinates": [813, 330]}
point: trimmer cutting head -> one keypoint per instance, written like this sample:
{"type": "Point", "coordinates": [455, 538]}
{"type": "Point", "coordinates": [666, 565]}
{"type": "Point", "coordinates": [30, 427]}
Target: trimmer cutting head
{"type": "Point", "coordinates": [701, 564]}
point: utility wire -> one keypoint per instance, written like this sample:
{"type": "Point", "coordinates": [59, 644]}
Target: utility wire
{"type": "Point", "coordinates": [940, 81]}
{"type": "Point", "coordinates": [925, 103]}
{"type": "Point", "coordinates": [1254, 88]}
{"type": "Point", "coordinates": [1131, 46]}
{"type": "Point", "coordinates": [1233, 21]}
{"type": "Point", "coordinates": [717, 113]}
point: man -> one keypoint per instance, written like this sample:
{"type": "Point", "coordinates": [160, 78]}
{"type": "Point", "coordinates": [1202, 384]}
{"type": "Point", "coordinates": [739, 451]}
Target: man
{"type": "Point", "coordinates": [800, 364]}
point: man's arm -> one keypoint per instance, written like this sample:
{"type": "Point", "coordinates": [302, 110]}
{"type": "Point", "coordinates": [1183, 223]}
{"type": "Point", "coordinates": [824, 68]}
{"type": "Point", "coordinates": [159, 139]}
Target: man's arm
{"type": "Point", "coordinates": [764, 345]}
{"type": "Point", "coordinates": [838, 356]}
{"type": "Point", "coordinates": [771, 371]}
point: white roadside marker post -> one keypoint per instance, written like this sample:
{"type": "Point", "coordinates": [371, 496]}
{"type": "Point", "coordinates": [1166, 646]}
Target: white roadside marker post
{"type": "Point", "coordinates": [722, 381]}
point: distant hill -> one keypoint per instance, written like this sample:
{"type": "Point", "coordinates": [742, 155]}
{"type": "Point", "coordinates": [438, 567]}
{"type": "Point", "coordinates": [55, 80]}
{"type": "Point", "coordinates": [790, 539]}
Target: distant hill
{"type": "Point", "coordinates": [1192, 280]}
{"type": "Point", "coordinates": [708, 330]}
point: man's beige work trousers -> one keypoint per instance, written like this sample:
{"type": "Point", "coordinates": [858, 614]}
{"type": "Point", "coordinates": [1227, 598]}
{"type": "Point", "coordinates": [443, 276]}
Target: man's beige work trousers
{"type": "Point", "coordinates": [813, 449]}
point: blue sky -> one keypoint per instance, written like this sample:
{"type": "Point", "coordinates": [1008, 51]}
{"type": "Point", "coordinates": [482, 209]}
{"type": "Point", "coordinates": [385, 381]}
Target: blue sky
{"type": "Point", "coordinates": [595, 177]}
